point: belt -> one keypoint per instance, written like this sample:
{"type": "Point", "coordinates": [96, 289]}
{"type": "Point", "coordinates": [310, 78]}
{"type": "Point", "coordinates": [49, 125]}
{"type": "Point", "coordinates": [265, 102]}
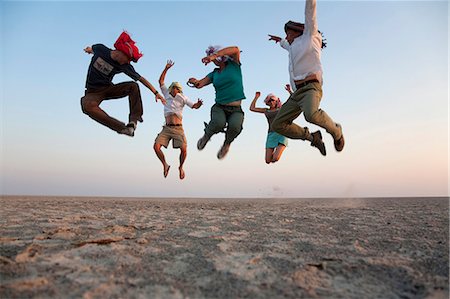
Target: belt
{"type": "Point", "coordinates": [174, 125]}
{"type": "Point", "coordinates": [303, 84]}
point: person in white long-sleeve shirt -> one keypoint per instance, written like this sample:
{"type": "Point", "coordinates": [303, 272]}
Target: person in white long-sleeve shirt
{"type": "Point", "coordinates": [173, 127]}
{"type": "Point", "coordinates": [304, 44]}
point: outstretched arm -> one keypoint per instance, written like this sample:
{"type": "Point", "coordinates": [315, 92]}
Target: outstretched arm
{"type": "Point", "coordinates": [275, 38]}
{"type": "Point", "coordinates": [253, 104]}
{"type": "Point", "coordinates": [152, 89]}
{"type": "Point", "coordinates": [88, 50]}
{"type": "Point", "coordinates": [233, 52]}
{"type": "Point", "coordinates": [169, 64]}
{"type": "Point", "coordinates": [283, 43]}
{"type": "Point", "coordinates": [199, 83]}
{"type": "Point", "coordinates": [198, 104]}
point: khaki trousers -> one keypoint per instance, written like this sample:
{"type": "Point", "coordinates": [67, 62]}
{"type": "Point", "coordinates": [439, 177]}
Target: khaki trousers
{"type": "Point", "coordinates": [306, 99]}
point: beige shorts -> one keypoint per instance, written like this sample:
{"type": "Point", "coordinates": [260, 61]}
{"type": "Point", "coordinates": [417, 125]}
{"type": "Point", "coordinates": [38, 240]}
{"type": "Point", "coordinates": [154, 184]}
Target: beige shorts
{"type": "Point", "coordinates": [174, 133]}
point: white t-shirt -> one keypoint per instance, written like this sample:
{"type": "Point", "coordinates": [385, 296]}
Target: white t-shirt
{"type": "Point", "coordinates": [305, 50]}
{"type": "Point", "coordinates": [175, 105]}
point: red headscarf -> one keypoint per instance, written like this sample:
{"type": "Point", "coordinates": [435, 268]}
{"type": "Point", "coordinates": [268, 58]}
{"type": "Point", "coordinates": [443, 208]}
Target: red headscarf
{"type": "Point", "coordinates": [126, 45]}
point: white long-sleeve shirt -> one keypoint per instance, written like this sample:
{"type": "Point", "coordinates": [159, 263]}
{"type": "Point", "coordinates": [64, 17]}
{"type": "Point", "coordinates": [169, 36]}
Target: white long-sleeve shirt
{"type": "Point", "coordinates": [175, 105]}
{"type": "Point", "coordinates": [305, 50]}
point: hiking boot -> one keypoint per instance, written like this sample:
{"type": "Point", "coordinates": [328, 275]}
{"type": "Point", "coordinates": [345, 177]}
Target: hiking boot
{"type": "Point", "coordinates": [223, 151]}
{"type": "Point", "coordinates": [318, 143]}
{"type": "Point", "coordinates": [339, 143]}
{"type": "Point", "coordinates": [202, 142]}
{"type": "Point", "coordinates": [129, 131]}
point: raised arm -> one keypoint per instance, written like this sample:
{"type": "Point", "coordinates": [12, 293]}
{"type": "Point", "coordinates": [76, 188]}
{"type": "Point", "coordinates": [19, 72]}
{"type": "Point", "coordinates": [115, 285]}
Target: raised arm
{"type": "Point", "coordinates": [169, 64]}
{"type": "Point", "coordinates": [233, 52]}
{"type": "Point", "coordinates": [288, 88]}
{"type": "Point", "coordinates": [311, 26]}
{"type": "Point", "coordinates": [253, 104]}
{"type": "Point", "coordinates": [152, 89]}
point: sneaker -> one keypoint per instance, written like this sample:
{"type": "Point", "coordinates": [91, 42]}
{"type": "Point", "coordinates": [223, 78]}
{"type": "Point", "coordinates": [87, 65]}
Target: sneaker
{"type": "Point", "coordinates": [129, 131]}
{"type": "Point", "coordinates": [202, 142]}
{"type": "Point", "coordinates": [132, 124]}
{"type": "Point", "coordinates": [223, 151]}
{"type": "Point", "coordinates": [339, 144]}
{"type": "Point", "coordinates": [318, 143]}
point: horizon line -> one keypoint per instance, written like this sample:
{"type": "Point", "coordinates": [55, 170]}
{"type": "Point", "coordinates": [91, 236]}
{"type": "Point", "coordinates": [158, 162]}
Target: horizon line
{"type": "Point", "coordinates": [209, 197]}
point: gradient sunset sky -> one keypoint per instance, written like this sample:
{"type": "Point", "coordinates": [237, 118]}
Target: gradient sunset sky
{"type": "Point", "coordinates": [385, 80]}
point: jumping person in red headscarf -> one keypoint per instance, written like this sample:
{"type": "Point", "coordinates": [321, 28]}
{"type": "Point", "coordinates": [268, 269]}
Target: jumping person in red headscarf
{"type": "Point", "coordinates": [104, 65]}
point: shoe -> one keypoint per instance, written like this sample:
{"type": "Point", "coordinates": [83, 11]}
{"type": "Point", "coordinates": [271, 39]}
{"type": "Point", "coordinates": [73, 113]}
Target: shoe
{"type": "Point", "coordinates": [129, 131]}
{"type": "Point", "coordinates": [202, 142]}
{"type": "Point", "coordinates": [223, 151]}
{"type": "Point", "coordinates": [339, 144]}
{"type": "Point", "coordinates": [318, 143]}
{"type": "Point", "coordinates": [132, 124]}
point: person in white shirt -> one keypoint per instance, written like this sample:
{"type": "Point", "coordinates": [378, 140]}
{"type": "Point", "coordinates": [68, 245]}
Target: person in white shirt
{"type": "Point", "coordinates": [173, 128]}
{"type": "Point", "coordinates": [304, 44]}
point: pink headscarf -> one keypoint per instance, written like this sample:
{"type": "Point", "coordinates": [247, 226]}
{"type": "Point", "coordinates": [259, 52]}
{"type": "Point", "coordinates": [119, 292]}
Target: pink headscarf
{"type": "Point", "coordinates": [274, 97]}
{"type": "Point", "coordinates": [127, 46]}
{"type": "Point", "coordinates": [213, 50]}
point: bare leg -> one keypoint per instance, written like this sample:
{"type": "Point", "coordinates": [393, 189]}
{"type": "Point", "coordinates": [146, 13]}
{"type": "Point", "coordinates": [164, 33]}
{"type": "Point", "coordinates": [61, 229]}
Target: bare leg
{"type": "Point", "coordinates": [269, 154]}
{"type": "Point", "coordinates": [183, 154]}
{"type": "Point", "coordinates": [278, 152]}
{"type": "Point", "coordinates": [159, 153]}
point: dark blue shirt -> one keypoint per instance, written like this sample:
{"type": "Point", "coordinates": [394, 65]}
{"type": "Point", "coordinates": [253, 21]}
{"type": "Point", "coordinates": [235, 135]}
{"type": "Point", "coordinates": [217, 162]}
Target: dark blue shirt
{"type": "Point", "coordinates": [103, 68]}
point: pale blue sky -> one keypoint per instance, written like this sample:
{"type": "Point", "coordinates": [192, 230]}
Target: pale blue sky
{"type": "Point", "coordinates": [385, 80]}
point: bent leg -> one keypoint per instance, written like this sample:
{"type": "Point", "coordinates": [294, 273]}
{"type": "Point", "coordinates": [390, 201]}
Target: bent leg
{"type": "Point", "coordinates": [283, 122]}
{"type": "Point", "coordinates": [90, 105]}
{"type": "Point", "coordinates": [217, 122]}
{"type": "Point", "coordinates": [317, 116]}
{"type": "Point", "coordinates": [269, 154]}
{"type": "Point", "coordinates": [278, 152]}
{"type": "Point", "coordinates": [235, 121]}
{"type": "Point", "coordinates": [130, 89]}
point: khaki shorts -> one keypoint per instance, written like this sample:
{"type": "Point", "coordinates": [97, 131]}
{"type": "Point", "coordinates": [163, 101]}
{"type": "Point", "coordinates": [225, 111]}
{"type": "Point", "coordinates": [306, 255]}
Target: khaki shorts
{"type": "Point", "coordinates": [175, 133]}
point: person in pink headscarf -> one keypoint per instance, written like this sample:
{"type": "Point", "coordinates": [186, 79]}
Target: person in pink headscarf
{"type": "Point", "coordinates": [105, 64]}
{"type": "Point", "coordinates": [228, 84]}
{"type": "Point", "coordinates": [275, 142]}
